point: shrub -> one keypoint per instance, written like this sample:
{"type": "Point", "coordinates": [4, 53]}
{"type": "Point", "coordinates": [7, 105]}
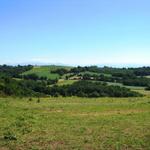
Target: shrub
{"type": "Point", "coordinates": [9, 135]}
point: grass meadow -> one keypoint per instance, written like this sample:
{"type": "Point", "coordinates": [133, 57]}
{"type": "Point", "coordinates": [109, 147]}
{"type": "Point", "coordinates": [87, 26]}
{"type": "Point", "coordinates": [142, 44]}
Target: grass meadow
{"type": "Point", "coordinates": [44, 71]}
{"type": "Point", "coordinates": [75, 123]}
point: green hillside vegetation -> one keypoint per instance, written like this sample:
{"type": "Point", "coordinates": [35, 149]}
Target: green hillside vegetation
{"type": "Point", "coordinates": [45, 71]}
{"type": "Point", "coordinates": [92, 89]}
{"type": "Point", "coordinates": [89, 81]}
{"type": "Point", "coordinates": [130, 87]}
{"type": "Point", "coordinates": [42, 71]}
{"type": "Point", "coordinates": [54, 107]}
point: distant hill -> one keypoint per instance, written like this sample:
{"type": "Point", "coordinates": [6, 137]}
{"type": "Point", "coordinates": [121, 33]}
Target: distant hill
{"type": "Point", "coordinates": [45, 71]}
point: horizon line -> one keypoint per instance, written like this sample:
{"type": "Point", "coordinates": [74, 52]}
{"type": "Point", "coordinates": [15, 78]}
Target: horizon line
{"type": "Point", "coordinates": [122, 65]}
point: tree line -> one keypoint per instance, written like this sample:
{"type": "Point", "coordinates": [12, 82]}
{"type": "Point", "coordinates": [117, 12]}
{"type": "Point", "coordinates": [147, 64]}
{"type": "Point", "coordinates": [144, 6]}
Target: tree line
{"type": "Point", "coordinates": [92, 89]}
{"type": "Point", "coordinates": [13, 71]}
{"type": "Point", "coordinates": [11, 87]}
{"type": "Point", "coordinates": [33, 85]}
{"type": "Point", "coordinates": [126, 76]}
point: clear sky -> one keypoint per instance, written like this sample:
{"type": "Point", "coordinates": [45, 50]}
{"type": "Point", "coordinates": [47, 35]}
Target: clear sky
{"type": "Point", "coordinates": [75, 31]}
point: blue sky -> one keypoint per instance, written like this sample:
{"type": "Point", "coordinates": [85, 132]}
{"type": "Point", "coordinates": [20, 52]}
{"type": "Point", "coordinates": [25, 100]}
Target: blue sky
{"type": "Point", "coordinates": [75, 31]}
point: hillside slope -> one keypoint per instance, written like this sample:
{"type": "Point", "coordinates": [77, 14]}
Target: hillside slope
{"type": "Point", "coordinates": [45, 71]}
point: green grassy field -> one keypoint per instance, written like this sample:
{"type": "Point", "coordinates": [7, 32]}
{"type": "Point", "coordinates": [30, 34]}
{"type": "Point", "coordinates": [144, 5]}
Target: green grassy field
{"type": "Point", "coordinates": [66, 82]}
{"type": "Point", "coordinates": [45, 71]}
{"type": "Point", "coordinates": [75, 123]}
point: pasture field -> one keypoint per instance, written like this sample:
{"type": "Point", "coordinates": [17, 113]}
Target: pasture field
{"type": "Point", "coordinates": [75, 123]}
{"type": "Point", "coordinates": [44, 71]}
{"type": "Point", "coordinates": [66, 82]}
{"type": "Point", "coordinates": [129, 87]}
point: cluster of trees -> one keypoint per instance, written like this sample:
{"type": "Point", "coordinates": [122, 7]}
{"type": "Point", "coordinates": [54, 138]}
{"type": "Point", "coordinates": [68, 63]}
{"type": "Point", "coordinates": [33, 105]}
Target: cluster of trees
{"type": "Point", "coordinates": [13, 71]}
{"type": "Point", "coordinates": [126, 79]}
{"type": "Point", "coordinates": [11, 87]}
{"type": "Point", "coordinates": [60, 71]}
{"type": "Point", "coordinates": [33, 85]}
{"type": "Point", "coordinates": [142, 71]}
{"type": "Point", "coordinates": [27, 85]}
{"type": "Point", "coordinates": [91, 89]}
{"type": "Point", "coordinates": [138, 81]}
{"type": "Point", "coordinates": [35, 77]}
{"type": "Point", "coordinates": [96, 69]}
{"type": "Point", "coordinates": [126, 76]}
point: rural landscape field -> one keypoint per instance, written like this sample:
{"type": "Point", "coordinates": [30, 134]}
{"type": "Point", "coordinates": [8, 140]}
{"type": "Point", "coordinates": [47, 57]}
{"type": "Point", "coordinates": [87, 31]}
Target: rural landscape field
{"type": "Point", "coordinates": [38, 121]}
{"type": "Point", "coordinates": [74, 75]}
{"type": "Point", "coordinates": [75, 123]}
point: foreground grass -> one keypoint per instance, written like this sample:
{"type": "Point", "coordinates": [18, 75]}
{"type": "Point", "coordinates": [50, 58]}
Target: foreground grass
{"type": "Point", "coordinates": [75, 123]}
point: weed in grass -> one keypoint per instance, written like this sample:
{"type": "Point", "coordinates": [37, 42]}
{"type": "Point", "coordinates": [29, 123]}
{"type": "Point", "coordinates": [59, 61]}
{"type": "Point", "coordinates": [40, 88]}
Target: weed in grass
{"type": "Point", "coordinates": [9, 135]}
{"type": "Point", "coordinates": [30, 99]}
{"type": "Point", "coordinates": [38, 100]}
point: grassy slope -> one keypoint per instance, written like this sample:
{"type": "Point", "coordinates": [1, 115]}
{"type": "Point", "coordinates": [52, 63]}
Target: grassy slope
{"type": "Point", "coordinates": [76, 123]}
{"type": "Point", "coordinates": [45, 71]}
{"type": "Point", "coordinates": [66, 82]}
{"type": "Point", "coordinates": [130, 87]}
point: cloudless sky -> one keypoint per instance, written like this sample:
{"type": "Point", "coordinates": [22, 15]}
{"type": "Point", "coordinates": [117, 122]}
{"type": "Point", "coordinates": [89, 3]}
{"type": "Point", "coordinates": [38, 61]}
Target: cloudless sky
{"type": "Point", "coordinates": [75, 31]}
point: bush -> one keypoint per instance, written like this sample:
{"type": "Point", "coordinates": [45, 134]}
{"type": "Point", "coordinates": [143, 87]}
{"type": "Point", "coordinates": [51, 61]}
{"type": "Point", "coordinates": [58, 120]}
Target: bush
{"type": "Point", "coordinates": [9, 135]}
